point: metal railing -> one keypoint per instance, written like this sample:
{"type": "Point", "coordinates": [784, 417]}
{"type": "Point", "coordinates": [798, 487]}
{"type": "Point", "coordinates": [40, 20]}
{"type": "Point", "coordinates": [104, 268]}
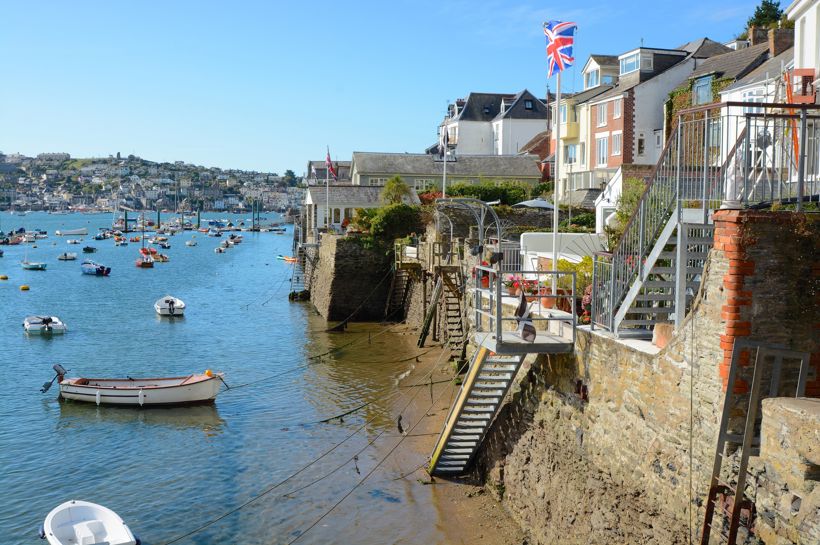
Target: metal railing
{"type": "Point", "coordinates": [740, 154]}
{"type": "Point", "coordinates": [510, 251]}
{"type": "Point", "coordinates": [546, 307]}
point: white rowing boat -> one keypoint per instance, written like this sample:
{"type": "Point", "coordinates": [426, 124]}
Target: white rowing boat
{"type": "Point", "coordinates": [79, 522]}
{"type": "Point", "coordinates": [142, 391]}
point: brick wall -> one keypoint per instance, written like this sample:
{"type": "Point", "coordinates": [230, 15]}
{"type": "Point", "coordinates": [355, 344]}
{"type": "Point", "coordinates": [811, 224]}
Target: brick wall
{"type": "Point", "coordinates": [771, 289]}
{"type": "Point", "coordinates": [629, 127]}
{"type": "Point", "coordinates": [612, 124]}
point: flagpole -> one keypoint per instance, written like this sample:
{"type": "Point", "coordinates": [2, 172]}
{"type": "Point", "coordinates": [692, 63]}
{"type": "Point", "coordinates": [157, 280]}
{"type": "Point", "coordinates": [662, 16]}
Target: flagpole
{"type": "Point", "coordinates": [444, 179]}
{"type": "Point", "coordinates": [555, 209]}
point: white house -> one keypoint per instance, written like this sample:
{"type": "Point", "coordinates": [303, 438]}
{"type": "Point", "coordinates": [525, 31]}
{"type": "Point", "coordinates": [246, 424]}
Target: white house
{"type": "Point", "coordinates": [806, 17]}
{"type": "Point", "coordinates": [493, 123]}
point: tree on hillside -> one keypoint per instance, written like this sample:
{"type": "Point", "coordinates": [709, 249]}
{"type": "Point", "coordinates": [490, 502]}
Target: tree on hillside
{"type": "Point", "coordinates": [766, 15]}
{"type": "Point", "coordinates": [395, 190]}
{"type": "Point", "coordinates": [290, 178]}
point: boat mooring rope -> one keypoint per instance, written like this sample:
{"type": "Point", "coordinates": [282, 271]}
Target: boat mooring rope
{"type": "Point", "coordinates": [273, 487]}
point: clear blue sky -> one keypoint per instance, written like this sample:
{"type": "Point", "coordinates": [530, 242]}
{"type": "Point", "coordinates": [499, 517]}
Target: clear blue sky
{"type": "Point", "coordinates": [267, 85]}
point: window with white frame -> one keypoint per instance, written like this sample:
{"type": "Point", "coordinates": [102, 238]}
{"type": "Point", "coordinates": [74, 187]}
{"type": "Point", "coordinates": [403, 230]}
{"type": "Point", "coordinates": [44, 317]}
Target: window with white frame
{"type": "Point", "coordinates": [592, 79]}
{"type": "Point", "coordinates": [616, 143]}
{"type": "Point", "coordinates": [563, 113]}
{"type": "Point", "coordinates": [702, 91]}
{"type": "Point", "coordinates": [423, 184]}
{"type": "Point", "coordinates": [602, 114]}
{"type": "Point", "coordinates": [658, 140]}
{"type": "Point", "coordinates": [753, 95]}
{"type": "Point", "coordinates": [630, 63]}
{"type": "Point", "coordinates": [616, 108]}
{"type": "Point", "coordinates": [601, 150]}
{"type": "Point", "coordinates": [377, 181]}
{"type": "Point", "coordinates": [582, 153]}
{"type": "Point", "coordinates": [607, 79]}
{"type": "Point", "coordinates": [570, 156]}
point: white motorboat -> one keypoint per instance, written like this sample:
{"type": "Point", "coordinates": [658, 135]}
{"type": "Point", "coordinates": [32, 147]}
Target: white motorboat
{"type": "Point", "coordinates": [78, 522]}
{"type": "Point", "coordinates": [65, 232]}
{"type": "Point", "coordinates": [219, 250]}
{"type": "Point", "coordinates": [73, 241]}
{"type": "Point", "coordinates": [191, 242]}
{"type": "Point", "coordinates": [197, 388]}
{"type": "Point", "coordinates": [44, 325]}
{"type": "Point", "coordinates": [169, 306]}
{"type": "Point", "coordinates": [67, 256]}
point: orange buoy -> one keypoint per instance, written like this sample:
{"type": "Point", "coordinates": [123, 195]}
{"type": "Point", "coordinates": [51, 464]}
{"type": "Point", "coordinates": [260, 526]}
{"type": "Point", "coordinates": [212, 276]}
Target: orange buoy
{"type": "Point", "coordinates": [208, 373]}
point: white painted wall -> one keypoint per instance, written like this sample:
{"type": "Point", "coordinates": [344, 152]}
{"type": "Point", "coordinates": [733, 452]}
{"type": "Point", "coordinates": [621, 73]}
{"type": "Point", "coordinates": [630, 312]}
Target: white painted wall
{"type": "Point", "coordinates": [649, 117]}
{"type": "Point", "coordinates": [607, 200]}
{"type": "Point", "coordinates": [513, 134]}
{"type": "Point", "coordinates": [474, 138]}
{"type": "Point", "coordinates": [806, 17]}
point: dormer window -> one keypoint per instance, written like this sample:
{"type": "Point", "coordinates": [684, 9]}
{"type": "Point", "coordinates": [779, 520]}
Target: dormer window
{"type": "Point", "coordinates": [486, 110]}
{"type": "Point", "coordinates": [592, 79]}
{"type": "Point", "coordinates": [630, 63]}
{"type": "Point", "coordinates": [636, 61]}
{"type": "Point", "coordinates": [528, 105]}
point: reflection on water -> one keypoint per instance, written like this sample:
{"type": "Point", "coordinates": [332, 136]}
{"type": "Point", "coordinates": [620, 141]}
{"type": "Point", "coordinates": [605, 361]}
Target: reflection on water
{"type": "Point", "coordinates": [205, 417]}
{"type": "Point", "coordinates": [169, 470]}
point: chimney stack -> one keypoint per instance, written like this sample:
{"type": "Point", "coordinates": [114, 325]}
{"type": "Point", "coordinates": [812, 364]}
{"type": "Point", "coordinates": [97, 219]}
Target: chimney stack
{"type": "Point", "coordinates": [780, 39]}
{"type": "Point", "coordinates": [757, 35]}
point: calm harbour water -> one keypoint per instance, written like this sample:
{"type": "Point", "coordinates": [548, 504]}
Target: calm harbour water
{"type": "Point", "coordinates": [167, 471]}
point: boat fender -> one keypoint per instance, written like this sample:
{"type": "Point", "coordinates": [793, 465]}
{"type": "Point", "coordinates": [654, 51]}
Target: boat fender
{"type": "Point", "coordinates": [97, 397]}
{"type": "Point", "coordinates": [42, 532]}
{"type": "Point", "coordinates": [141, 398]}
{"type": "Point", "coordinates": [208, 373]}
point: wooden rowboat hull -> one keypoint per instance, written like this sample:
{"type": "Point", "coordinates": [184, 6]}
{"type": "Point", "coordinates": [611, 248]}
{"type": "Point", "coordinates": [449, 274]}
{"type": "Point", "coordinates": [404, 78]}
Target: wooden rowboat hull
{"type": "Point", "coordinates": [201, 390]}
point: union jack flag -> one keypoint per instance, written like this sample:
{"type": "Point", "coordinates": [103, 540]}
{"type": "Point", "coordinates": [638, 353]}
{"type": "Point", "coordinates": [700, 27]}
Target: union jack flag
{"type": "Point", "coordinates": [329, 165]}
{"type": "Point", "coordinates": [560, 37]}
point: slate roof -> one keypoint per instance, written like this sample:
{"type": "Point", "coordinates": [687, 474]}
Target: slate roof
{"type": "Point", "coordinates": [518, 109]}
{"type": "Point", "coordinates": [605, 60]}
{"type": "Point", "coordinates": [589, 94]}
{"type": "Point", "coordinates": [537, 143]}
{"type": "Point", "coordinates": [704, 48]}
{"type": "Point", "coordinates": [487, 107]}
{"type": "Point", "coordinates": [416, 164]}
{"type": "Point", "coordinates": [735, 64]}
{"type": "Point", "coordinates": [353, 194]}
{"type": "Point", "coordinates": [769, 69]}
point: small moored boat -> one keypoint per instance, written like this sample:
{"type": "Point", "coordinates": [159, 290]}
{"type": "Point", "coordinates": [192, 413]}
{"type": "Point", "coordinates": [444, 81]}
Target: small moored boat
{"type": "Point", "coordinates": [89, 249]}
{"type": "Point", "coordinates": [169, 306]}
{"type": "Point", "coordinates": [72, 241]}
{"type": "Point", "coordinates": [140, 392]}
{"type": "Point", "coordinates": [79, 522]}
{"type": "Point", "coordinates": [67, 256]}
{"type": "Point", "coordinates": [95, 269]}
{"type": "Point", "coordinates": [44, 325]}
{"type": "Point", "coordinates": [145, 262]}
{"type": "Point", "coordinates": [65, 232]}
{"type": "Point", "coordinates": [33, 265]}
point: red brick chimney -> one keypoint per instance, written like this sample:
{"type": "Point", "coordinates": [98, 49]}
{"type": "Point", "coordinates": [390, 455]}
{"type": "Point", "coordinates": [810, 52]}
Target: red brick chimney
{"type": "Point", "coordinates": [780, 39]}
{"type": "Point", "coordinates": [757, 35]}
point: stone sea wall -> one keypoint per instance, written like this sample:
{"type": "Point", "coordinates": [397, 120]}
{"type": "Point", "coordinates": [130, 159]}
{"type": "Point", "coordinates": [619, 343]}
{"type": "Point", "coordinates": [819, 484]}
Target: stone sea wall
{"type": "Point", "coordinates": [350, 278]}
{"type": "Point", "coordinates": [615, 443]}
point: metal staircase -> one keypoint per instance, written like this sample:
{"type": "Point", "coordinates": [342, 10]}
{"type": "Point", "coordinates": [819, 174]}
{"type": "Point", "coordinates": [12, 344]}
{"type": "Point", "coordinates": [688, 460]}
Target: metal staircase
{"type": "Point", "coordinates": [652, 297]}
{"type": "Point", "coordinates": [473, 411]}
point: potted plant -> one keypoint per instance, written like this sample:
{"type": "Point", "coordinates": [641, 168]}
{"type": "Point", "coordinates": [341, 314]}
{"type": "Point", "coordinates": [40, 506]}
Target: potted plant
{"type": "Point", "coordinates": [513, 284]}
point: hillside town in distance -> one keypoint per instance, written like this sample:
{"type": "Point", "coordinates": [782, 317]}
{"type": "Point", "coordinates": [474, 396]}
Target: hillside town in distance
{"type": "Point", "coordinates": [56, 182]}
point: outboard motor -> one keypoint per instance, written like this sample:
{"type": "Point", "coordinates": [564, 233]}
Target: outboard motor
{"type": "Point", "coordinates": [46, 320]}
